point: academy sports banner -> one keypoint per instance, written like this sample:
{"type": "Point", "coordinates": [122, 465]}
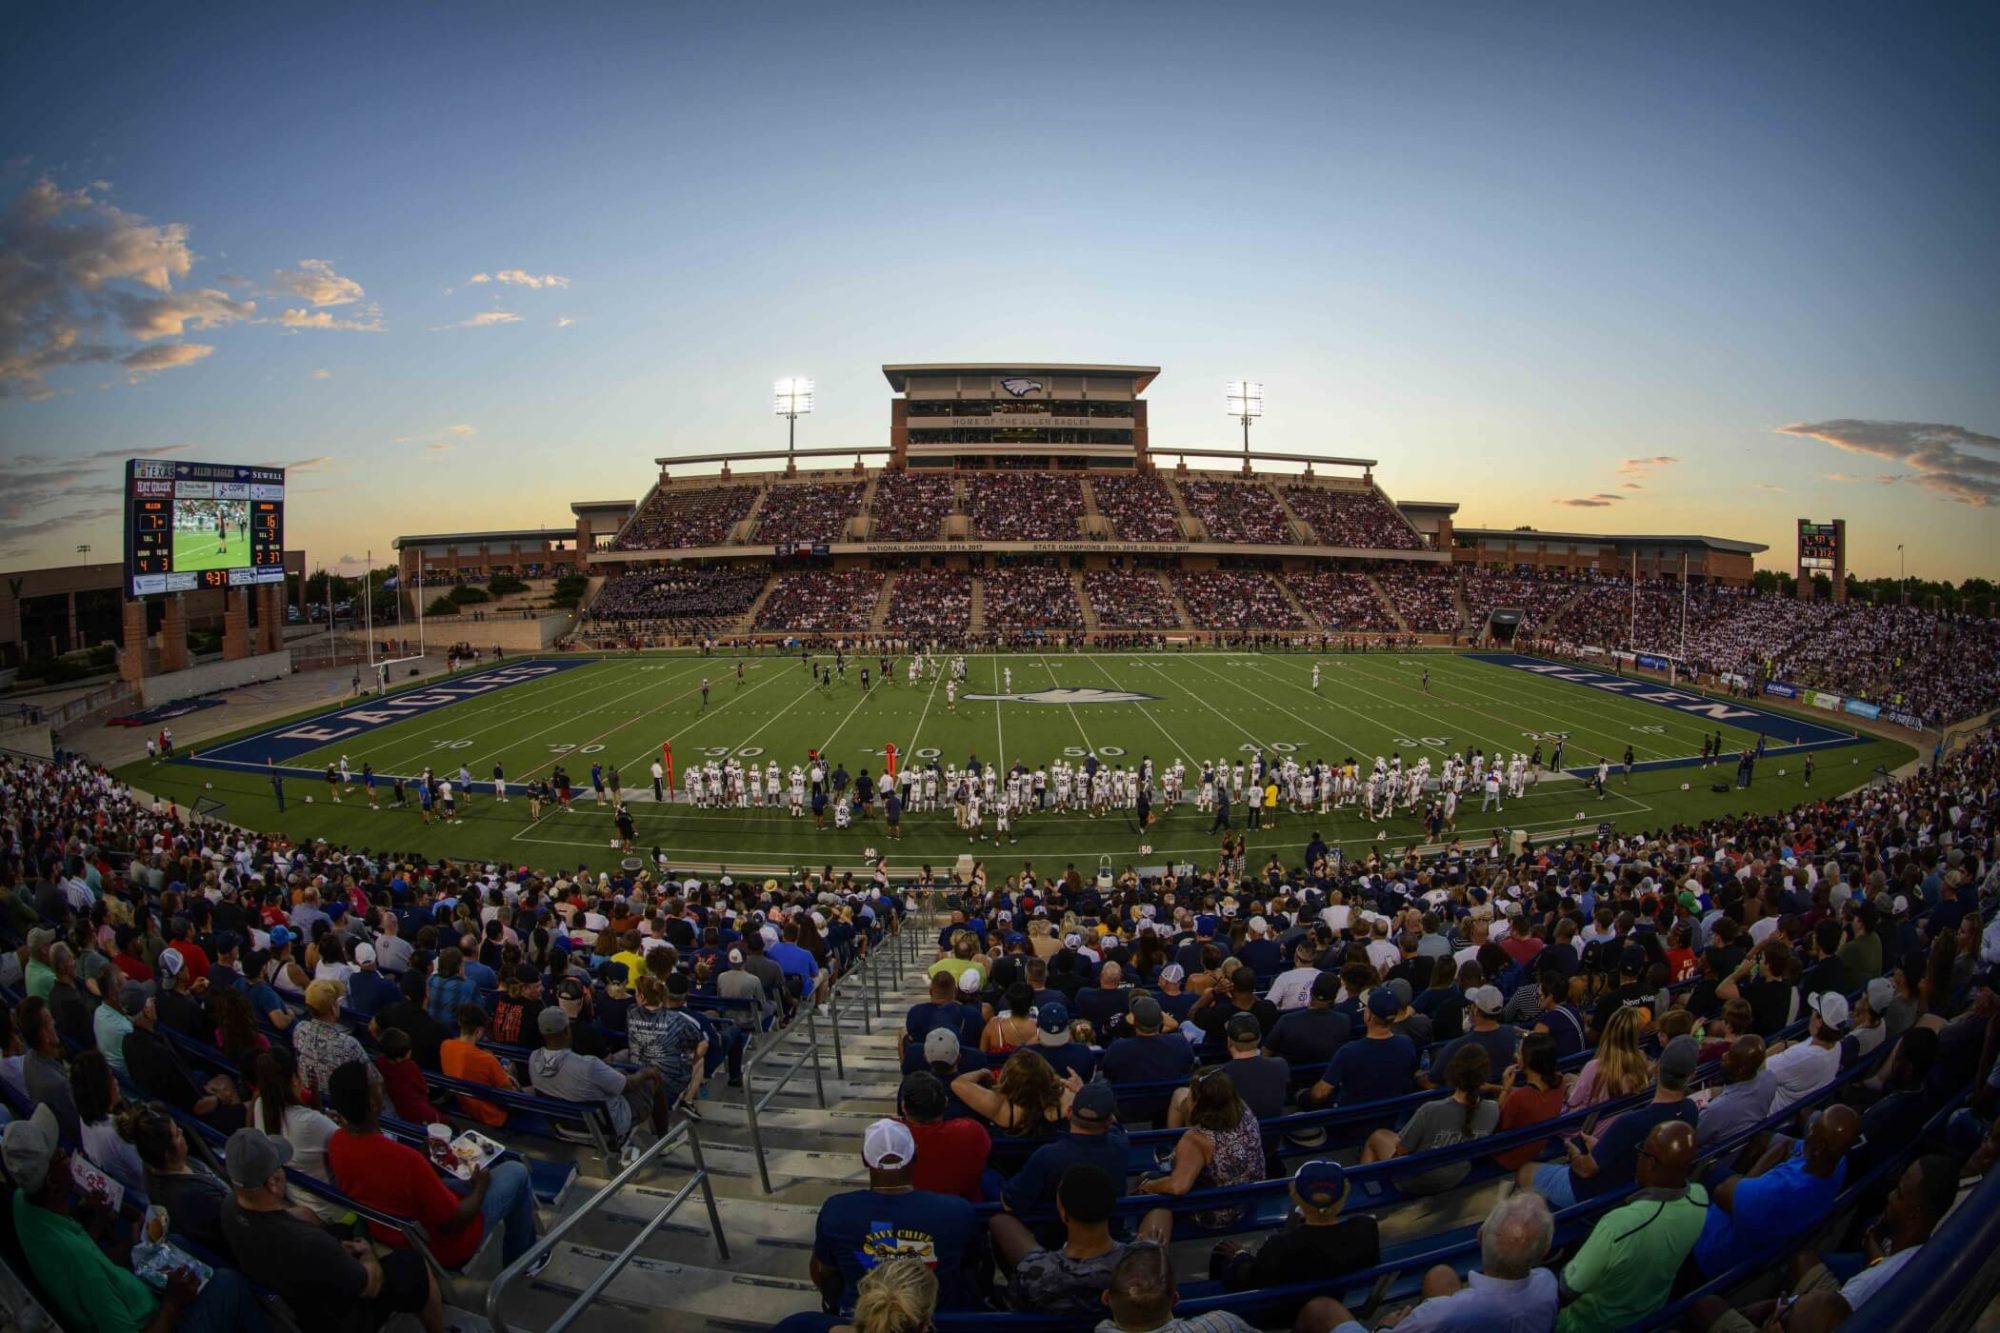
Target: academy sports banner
{"type": "Point", "coordinates": [1784, 689]}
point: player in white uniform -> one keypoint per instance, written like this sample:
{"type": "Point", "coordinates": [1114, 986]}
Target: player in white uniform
{"type": "Point", "coordinates": [951, 695]}
{"type": "Point", "coordinates": [1315, 676]}
{"type": "Point", "coordinates": [798, 780]}
{"type": "Point", "coordinates": [972, 815]}
{"type": "Point", "coordinates": [1491, 801]}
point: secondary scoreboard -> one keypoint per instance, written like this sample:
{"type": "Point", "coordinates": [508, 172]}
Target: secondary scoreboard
{"type": "Point", "coordinates": [202, 525]}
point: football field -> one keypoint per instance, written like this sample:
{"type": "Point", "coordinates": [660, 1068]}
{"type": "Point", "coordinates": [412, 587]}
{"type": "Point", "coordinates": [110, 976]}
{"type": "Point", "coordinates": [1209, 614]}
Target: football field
{"type": "Point", "coordinates": [530, 715]}
{"type": "Point", "coordinates": [203, 550]}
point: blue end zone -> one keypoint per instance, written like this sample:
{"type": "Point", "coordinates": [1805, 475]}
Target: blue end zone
{"type": "Point", "coordinates": [287, 742]}
{"type": "Point", "coordinates": [1782, 732]}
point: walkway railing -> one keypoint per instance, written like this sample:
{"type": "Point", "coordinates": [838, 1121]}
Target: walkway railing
{"type": "Point", "coordinates": [699, 1180]}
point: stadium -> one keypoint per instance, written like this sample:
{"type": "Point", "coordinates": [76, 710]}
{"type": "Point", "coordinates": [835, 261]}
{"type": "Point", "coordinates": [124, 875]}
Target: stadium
{"type": "Point", "coordinates": [507, 828]}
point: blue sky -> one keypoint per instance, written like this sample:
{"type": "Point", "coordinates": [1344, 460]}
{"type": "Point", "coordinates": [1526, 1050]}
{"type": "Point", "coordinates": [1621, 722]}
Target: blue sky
{"type": "Point", "coordinates": [1503, 250]}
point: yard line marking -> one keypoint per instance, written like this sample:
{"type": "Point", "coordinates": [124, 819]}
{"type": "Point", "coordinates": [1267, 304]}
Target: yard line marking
{"type": "Point", "coordinates": [937, 679]}
{"type": "Point", "coordinates": [1676, 724]}
{"type": "Point", "coordinates": [769, 680]}
{"type": "Point", "coordinates": [1433, 717]}
{"type": "Point", "coordinates": [613, 731]}
{"type": "Point", "coordinates": [567, 720]}
{"type": "Point", "coordinates": [1072, 707]}
{"type": "Point", "coordinates": [1171, 739]}
{"type": "Point", "coordinates": [827, 744]}
{"type": "Point", "coordinates": [1338, 740]}
{"type": "Point", "coordinates": [999, 735]}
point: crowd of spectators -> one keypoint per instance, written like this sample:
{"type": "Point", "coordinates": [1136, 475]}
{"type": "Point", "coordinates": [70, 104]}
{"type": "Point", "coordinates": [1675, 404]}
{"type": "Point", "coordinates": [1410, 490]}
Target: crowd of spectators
{"type": "Point", "coordinates": [821, 601]}
{"type": "Point", "coordinates": [809, 511]}
{"type": "Point", "coordinates": [1030, 597]}
{"type": "Point", "coordinates": [930, 603]}
{"type": "Point", "coordinates": [1341, 600]}
{"type": "Point", "coordinates": [1538, 596]}
{"type": "Point", "coordinates": [674, 601]}
{"type": "Point", "coordinates": [1237, 511]}
{"type": "Point", "coordinates": [1235, 599]}
{"type": "Point", "coordinates": [1130, 599]}
{"type": "Point", "coordinates": [1026, 506]}
{"type": "Point", "coordinates": [1360, 519]}
{"type": "Point", "coordinates": [1139, 505]}
{"type": "Point", "coordinates": [1714, 1065]}
{"type": "Point", "coordinates": [911, 506]}
{"type": "Point", "coordinates": [1423, 596]}
{"type": "Point", "coordinates": [678, 517]}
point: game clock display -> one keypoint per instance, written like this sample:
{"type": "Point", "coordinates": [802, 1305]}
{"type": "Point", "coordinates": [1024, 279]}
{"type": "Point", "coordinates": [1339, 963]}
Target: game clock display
{"type": "Point", "coordinates": [202, 525]}
{"type": "Point", "coordinates": [1819, 545]}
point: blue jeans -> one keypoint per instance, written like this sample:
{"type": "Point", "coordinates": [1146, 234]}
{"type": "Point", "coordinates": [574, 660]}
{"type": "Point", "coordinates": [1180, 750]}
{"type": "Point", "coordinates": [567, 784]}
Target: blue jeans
{"type": "Point", "coordinates": [510, 1203]}
{"type": "Point", "coordinates": [1552, 1182]}
{"type": "Point", "coordinates": [226, 1304]}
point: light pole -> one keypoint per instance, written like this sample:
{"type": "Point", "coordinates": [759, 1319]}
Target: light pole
{"type": "Point", "coordinates": [793, 397]}
{"type": "Point", "coordinates": [1902, 579]}
{"type": "Point", "coordinates": [1246, 403]}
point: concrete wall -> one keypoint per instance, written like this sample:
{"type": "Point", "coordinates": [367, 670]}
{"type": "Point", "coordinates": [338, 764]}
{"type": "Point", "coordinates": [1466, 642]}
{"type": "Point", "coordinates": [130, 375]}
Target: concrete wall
{"type": "Point", "coordinates": [514, 634]}
{"type": "Point", "coordinates": [221, 674]}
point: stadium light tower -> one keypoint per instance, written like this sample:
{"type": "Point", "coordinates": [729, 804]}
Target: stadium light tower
{"type": "Point", "coordinates": [1246, 404]}
{"type": "Point", "coordinates": [794, 399]}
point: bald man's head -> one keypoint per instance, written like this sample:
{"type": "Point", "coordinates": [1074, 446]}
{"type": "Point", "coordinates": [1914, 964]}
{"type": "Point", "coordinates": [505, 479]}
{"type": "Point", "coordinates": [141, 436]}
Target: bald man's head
{"type": "Point", "coordinates": [1743, 1060]}
{"type": "Point", "coordinates": [1829, 1139]}
{"type": "Point", "coordinates": [1666, 1155]}
{"type": "Point", "coordinates": [1141, 1294]}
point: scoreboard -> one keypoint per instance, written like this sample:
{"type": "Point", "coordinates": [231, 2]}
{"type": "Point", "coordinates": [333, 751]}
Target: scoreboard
{"type": "Point", "coordinates": [202, 525]}
{"type": "Point", "coordinates": [1819, 545]}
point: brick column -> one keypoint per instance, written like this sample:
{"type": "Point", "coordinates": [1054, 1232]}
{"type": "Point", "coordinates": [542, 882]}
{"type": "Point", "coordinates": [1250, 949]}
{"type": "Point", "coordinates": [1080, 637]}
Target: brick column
{"type": "Point", "coordinates": [132, 661]}
{"type": "Point", "coordinates": [173, 636]}
{"type": "Point", "coordinates": [235, 624]}
{"type": "Point", "coordinates": [270, 617]}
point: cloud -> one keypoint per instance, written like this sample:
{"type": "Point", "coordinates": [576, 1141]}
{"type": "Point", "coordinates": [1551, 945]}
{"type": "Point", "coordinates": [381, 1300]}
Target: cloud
{"type": "Point", "coordinates": [319, 464]}
{"type": "Point", "coordinates": [1957, 463]}
{"type": "Point", "coordinates": [1769, 486]}
{"type": "Point", "coordinates": [162, 356]}
{"type": "Point", "coordinates": [1630, 486]}
{"type": "Point", "coordinates": [1602, 500]}
{"type": "Point", "coordinates": [326, 322]}
{"type": "Point", "coordinates": [459, 431]}
{"type": "Point", "coordinates": [1842, 477]}
{"type": "Point", "coordinates": [315, 282]}
{"type": "Point", "coordinates": [564, 321]}
{"type": "Point", "coordinates": [484, 319]}
{"type": "Point", "coordinates": [80, 276]}
{"type": "Point", "coordinates": [516, 277]}
{"type": "Point", "coordinates": [1640, 467]}
{"type": "Point", "coordinates": [49, 495]}
{"type": "Point", "coordinates": [322, 374]}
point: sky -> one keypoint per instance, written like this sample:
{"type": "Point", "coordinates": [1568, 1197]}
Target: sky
{"type": "Point", "coordinates": [1690, 268]}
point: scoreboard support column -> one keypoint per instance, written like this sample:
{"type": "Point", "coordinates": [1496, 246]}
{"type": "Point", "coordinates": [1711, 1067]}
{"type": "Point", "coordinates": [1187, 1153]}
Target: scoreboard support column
{"type": "Point", "coordinates": [132, 661]}
{"type": "Point", "coordinates": [270, 617]}
{"type": "Point", "coordinates": [174, 635]}
{"type": "Point", "coordinates": [236, 624]}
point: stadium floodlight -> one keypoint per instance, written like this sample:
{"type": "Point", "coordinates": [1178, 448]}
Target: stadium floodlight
{"type": "Point", "coordinates": [1246, 404]}
{"type": "Point", "coordinates": [794, 398]}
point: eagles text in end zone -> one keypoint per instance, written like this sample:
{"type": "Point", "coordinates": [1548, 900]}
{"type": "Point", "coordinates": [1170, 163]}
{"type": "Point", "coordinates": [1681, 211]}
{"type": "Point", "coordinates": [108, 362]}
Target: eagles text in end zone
{"type": "Point", "coordinates": [287, 742]}
{"type": "Point", "coordinates": [1784, 731]}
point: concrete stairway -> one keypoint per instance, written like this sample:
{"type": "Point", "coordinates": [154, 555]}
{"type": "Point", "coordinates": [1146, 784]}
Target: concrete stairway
{"type": "Point", "coordinates": [749, 617]}
{"type": "Point", "coordinates": [1382, 596]}
{"type": "Point", "coordinates": [1180, 607]}
{"type": "Point", "coordinates": [977, 623]}
{"type": "Point", "coordinates": [1459, 607]}
{"type": "Point", "coordinates": [879, 618]}
{"type": "Point", "coordinates": [1306, 617]}
{"type": "Point", "coordinates": [1090, 621]}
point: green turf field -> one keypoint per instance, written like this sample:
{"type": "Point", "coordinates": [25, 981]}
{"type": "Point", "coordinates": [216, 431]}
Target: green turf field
{"type": "Point", "coordinates": [1198, 706]}
{"type": "Point", "coordinates": [201, 550]}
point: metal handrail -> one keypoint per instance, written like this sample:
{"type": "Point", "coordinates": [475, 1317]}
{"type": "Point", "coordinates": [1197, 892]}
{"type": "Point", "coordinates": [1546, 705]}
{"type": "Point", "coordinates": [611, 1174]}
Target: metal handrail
{"type": "Point", "coordinates": [533, 1256]}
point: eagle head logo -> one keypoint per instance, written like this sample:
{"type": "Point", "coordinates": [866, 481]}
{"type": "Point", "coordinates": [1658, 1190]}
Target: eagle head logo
{"type": "Point", "coordinates": [1020, 385]}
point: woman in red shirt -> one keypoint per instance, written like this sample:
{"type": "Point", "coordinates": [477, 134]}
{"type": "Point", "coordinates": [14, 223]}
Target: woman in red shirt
{"type": "Point", "coordinates": [1531, 1091]}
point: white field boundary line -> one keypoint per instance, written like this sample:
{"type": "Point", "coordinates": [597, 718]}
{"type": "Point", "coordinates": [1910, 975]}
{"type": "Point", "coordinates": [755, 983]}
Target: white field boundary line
{"type": "Point", "coordinates": [937, 679]}
{"type": "Point", "coordinates": [999, 732]}
{"type": "Point", "coordinates": [1056, 682]}
{"type": "Point", "coordinates": [1505, 746]}
{"type": "Point", "coordinates": [568, 719]}
{"type": "Point", "coordinates": [1097, 659]}
{"type": "Point", "coordinates": [1338, 740]}
{"type": "Point", "coordinates": [552, 760]}
{"type": "Point", "coordinates": [387, 700]}
{"type": "Point", "coordinates": [644, 756]}
{"type": "Point", "coordinates": [1539, 707]}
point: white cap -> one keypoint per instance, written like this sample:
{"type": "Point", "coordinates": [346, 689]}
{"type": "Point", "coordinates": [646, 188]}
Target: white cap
{"type": "Point", "coordinates": [1831, 1006]}
{"type": "Point", "coordinates": [1259, 926]}
{"type": "Point", "coordinates": [364, 954]}
{"type": "Point", "coordinates": [968, 981]}
{"type": "Point", "coordinates": [888, 1145]}
{"type": "Point", "coordinates": [736, 957]}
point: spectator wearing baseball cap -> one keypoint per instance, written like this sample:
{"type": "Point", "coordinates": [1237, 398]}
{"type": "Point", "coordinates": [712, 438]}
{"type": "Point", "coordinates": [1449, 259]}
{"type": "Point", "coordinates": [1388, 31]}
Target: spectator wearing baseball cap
{"type": "Point", "coordinates": [1146, 1056]}
{"type": "Point", "coordinates": [1801, 1068]}
{"type": "Point", "coordinates": [1308, 1037]}
{"type": "Point", "coordinates": [1071, 1278]}
{"type": "Point", "coordinates": [1262, 1081]}
{"type": "Point", "coordinates": [1868, 1027]}
{"type": "Point", "coordinates": [1317, 1240]}
{"type": "Point", "coordinates": [1483, 1006]}
{"type": "Point", "coordinates": [84, 1287]}
{"type": "Point", "coordinates": [1382, 1064]}
{"type": "Point", "coordinates": [952, 1150]}
{"type": "Point", "coordinates": [1095, 1139]}
{"type": "Point", "coordinates": [1054, 1043]}
{"type": "Point", "coordinates": [1631, 990]}
{"type": "Point", "coordinates": [331, 1283]}
{"type": "Point", "coordinates": [557, 1069]}
{"type": "Point", "coordinates": [860, 1228]}
{"type": "Point", "coordinates": [369, 992]}
{"type": "Point", "coordinates": [1609, 1162]}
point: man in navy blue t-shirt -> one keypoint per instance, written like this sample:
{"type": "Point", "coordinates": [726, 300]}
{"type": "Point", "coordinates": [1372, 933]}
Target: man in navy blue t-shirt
{"type": "Point", "coordinates": [1382, 1064]}
{"type": "Point", "coordinates": [892, 1219]}
{"type": "Point", "coordinates": [1094, 1139]}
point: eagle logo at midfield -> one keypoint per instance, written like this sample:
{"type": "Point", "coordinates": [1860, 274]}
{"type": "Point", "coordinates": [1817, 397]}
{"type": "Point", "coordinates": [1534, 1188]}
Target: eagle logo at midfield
{"type": "Point", "coordinates": [1021, 386]}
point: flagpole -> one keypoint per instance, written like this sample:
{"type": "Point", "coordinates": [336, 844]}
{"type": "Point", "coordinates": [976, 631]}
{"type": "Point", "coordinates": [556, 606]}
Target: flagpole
{"type": "Point", "coordinates": [368, 606]}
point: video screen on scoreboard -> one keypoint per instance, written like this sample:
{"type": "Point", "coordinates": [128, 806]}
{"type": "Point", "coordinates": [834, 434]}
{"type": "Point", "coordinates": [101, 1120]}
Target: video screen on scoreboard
{"type": "Point", "coordinates": [202, 525]}
{"type": "Point", "coordinates": [1819, 545]}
